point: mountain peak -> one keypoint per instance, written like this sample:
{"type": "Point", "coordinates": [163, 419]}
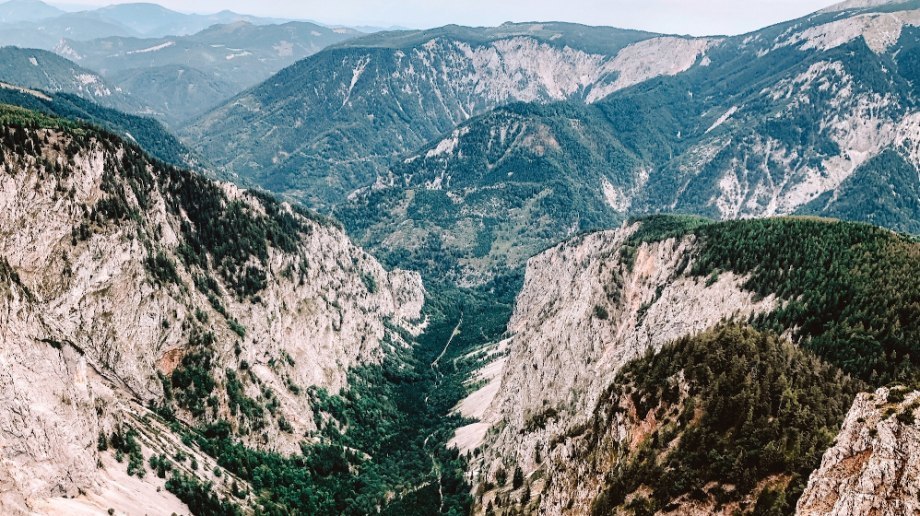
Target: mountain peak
{"type": "Point", "coordinates": [14, 11]}
{"type": "Point", "coordinates": [136, 6]}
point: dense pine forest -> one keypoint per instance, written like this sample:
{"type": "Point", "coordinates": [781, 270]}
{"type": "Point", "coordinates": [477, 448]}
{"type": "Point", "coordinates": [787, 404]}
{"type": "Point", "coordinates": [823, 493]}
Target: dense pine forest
{"type": "Point", "coordinates": [738, 411]}
{"type": "Point", "coordinates": [850, 291]}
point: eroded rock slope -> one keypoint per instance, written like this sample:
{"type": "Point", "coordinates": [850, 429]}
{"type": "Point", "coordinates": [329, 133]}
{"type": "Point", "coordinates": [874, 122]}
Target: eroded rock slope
{"type": "Point", "coordinates": [127, 284]}
{"type": "Point", "coordinates": [874, 465]}
{"type": "Point", "coordinates": [585, 311]}
{"type": "Point", "coordinates": [690, 367]}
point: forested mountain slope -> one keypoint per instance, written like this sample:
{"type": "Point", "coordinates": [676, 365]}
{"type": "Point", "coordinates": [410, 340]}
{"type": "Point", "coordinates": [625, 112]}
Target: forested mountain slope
{"type": "Point", "coordinates": [815, 116]}
{"type": "Point", "coordinates": [158, 327]}
{"type": "Point", "coordinates": [146, 132]}
{"type": "Point", "coordinates": [605, 396]}
{"type": "Point", "coordinates": [43, 70]}
{"type": "Point", "coordinates": [333, 122]}
{"type": "Point", "coordinates": [496, 191]}
{"type": "Point", "coordinates": [180, 77]}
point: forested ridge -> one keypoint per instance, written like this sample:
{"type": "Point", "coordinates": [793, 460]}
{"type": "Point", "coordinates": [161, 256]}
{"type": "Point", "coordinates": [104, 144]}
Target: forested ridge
{"type": "Point", "coordinates": [741, 418]}
{"type": "Point", "coordinates": [850, 292]}
{"type": "Point", "coordinates": [146, 132]}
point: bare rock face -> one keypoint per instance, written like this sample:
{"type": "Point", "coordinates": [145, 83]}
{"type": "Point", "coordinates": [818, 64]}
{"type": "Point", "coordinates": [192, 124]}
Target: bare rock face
{"type": "Point", "coordinates": [586, 309]}
{"type": "Point", "coordinates": [651, 58]}
{"type": "Point", "coordinates": [47, 422]}
{"type": "Point", "coordinates": [101, 299]}
{"type": "Point", "coordinates": [879, 30]}
{"type": "Point", "coordinates": [862, 124]}
{"type": "Point", "coordinates": [874, 467]}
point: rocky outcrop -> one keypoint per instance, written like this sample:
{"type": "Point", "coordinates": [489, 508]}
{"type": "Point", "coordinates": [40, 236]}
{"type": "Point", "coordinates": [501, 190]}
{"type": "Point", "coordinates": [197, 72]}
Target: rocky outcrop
{"type": "Point", "coordinates": [113, 275]}
{"type": "Point", "coordinates": [860, 123]}
{"type": "Point", "coordinates": [860, 4]}
{"type": "Point", "coordinates": [880, 31]}
{"type": "Point", "coordinates": [524, 69]}
{"type": "Point", "coordinates": [649, 59]}
{"type": "Point", "coordinates": [587, 307]}
{"type": "Point", "coordinates": [874, 467]}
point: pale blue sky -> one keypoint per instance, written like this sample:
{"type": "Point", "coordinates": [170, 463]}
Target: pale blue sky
{"type": "Point", "coordinates": [697, 17]}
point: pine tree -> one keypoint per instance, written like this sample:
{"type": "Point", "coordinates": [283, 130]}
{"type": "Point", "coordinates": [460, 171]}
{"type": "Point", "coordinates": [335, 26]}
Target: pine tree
{"type": "Point", "coordinates": [518, 479]}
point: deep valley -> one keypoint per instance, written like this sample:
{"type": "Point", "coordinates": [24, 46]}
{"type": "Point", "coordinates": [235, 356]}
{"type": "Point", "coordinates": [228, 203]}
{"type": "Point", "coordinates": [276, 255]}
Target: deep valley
{"type": "Point", "coordinates": [260, 265]}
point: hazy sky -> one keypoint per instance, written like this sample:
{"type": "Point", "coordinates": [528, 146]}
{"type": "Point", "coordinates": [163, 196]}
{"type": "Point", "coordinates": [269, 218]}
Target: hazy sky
{"type": "Point", "coordinates": [697, 17]}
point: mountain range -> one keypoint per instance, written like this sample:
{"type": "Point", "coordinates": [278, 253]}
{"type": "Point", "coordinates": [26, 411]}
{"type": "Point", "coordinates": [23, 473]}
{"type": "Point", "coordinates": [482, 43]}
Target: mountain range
{"type": "Point", "coordinates": [376, 97]}
{"type": "Point", "coordinates": [539, 268]}
{"type": "Point", "coordinates": [814, 116]}
{"type": "Point", "coordinates": [777, 122]}
{"type": "Point", "coordinates": [33, 23]}
{"type": "Point", "coordinates": [176, 66]}
{"type": "Point", "coordinates": [181, 77]}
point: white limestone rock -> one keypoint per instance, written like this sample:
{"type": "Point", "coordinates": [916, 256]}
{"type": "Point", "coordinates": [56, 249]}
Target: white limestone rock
{"type": "Point", "coordinates": [874, 465]}
{"type": "Point", "coordinates": [581, 315]}
{"type": "Point", "coordinates": [86, 332]}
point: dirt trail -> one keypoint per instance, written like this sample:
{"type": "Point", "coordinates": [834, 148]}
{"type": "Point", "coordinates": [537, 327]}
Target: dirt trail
{"type": "Point", "coordinates": [434, 365]}
{"type": "Point", "coordinates": [435, 464]}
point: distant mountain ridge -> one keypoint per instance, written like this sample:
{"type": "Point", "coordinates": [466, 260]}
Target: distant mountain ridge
{"type": "Point", "coordinates": [43, 70]}
{"type": "Point", "coordinates": [149, 134]}
{"type": "Point", "coordinates": [227, 50]}
{"type": "Point", "coordinates": [596, 40]}
{"type": "Point", "coordinates": [15, 11]}
{"type": "Point", "coordinates": [181, 77]}
{"type": "Point", "coordinates": [333, 122]}
{"type": "Point", "coordinates": [153, 20]}
{"type": "Point", "coordinates": [45, 82]}
{"type": "Point", "coordinates": [33, 23]}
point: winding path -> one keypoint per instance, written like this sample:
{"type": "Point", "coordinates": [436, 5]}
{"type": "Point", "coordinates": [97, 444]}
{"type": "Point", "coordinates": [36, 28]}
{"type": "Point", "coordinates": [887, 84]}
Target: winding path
{"type": "Point", "coordinates": [434, 365]}
{"type": "Point", "coordinates": [435, 465]}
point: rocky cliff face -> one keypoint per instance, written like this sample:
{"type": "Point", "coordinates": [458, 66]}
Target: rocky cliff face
{"type": "Point", "coordinates": [585, 310]}
{"type": "Point", "coordinates": [874, 465]}
{"type": "Point", "coordinates": [758, 169]}
{"type": "Point", "coordinates": [620, 385]}
{"type": "Point", "coordinates": [803, 122]}
{"type": "Point", "coordinates": [117, 272]}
